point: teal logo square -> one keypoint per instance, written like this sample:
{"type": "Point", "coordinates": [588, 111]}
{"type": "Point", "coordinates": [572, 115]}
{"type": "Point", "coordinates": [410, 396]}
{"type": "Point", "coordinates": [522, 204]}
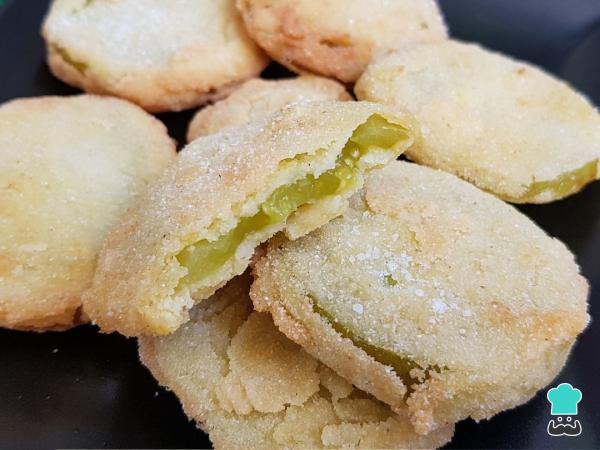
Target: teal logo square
{"type": "Point", "coordinates": [564, 399]}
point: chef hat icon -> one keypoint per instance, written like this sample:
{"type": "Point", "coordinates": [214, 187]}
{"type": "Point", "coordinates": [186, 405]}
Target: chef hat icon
{"type": "Point", "coordinates": [564, 399]}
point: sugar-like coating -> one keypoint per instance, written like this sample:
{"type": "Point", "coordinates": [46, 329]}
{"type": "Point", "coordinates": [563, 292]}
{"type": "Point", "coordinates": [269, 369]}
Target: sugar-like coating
{"type": "Point", "coordinates": [216, 181]}
{"type": "Point", "coordinates": [282, 397]}
{"type": "Point", "coordinates": [69, 167]}
{"type": "Point", "coordinates": [467, 308]}
{"type": "Point", "coordinates": [163, 55]}
{"type": "Point", "coordinates": [258, 98]}
{"type": "Point", "coordinates": [502, 124]}
{"type": "Point", "coordinates": [338, 38]}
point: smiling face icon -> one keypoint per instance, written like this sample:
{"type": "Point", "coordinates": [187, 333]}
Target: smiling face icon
{"type": "Point", "coordinates": [564, 426]}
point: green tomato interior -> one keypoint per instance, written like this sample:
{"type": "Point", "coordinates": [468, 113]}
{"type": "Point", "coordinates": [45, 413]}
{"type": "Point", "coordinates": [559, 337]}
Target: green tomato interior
{"type": "Point", "coordinates": [566, 184]}
{"type": "Point", "coordinates": [205, 257]}
{"type": "Point", "coordinates": [79, 66]}
{"type": "Point", "coordinates": [402, 366]}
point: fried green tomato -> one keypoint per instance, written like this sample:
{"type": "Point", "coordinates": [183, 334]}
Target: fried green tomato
{"type": "Point", "coordinates": [198, 226]}
{"type": "Point", "coordinates": [162, 55]}
{"type": "Point", "coordinates": [429, 294]}
{"type": "Point", "coordinates": [248, 386]}
{"type": "Point", "coordinates": [69, 168]}
{"type": "Point", "coordinates": [338, 38]}
{"type": "Point", "coordinates": [258, 98]}
{"type": "Point", "coordinates": [504, 125]}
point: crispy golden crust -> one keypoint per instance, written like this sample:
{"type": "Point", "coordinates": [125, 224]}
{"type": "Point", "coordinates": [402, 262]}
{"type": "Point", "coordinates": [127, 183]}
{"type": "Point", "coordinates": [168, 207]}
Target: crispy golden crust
{"type": "Point", "coordinates": [164, 56]}
{"type": "Point", "coordinates": [430, 268]}
{"type": "Point", "coordinates": [217, 180]}
{"type": "Point", "coordinates": [338, 38]}
{"type": "Point", "coordinates": [258, 98]}
{"type": "Point", "coordinates": [248, 386]}
{"type": "Point", "coordinates": [69, 166]}
{"type": "Point", "coordinates": [499, 123]}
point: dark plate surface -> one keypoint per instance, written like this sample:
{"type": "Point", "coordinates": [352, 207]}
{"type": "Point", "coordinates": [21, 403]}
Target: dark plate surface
{"type": "Point", "coordinates": [83, 389]}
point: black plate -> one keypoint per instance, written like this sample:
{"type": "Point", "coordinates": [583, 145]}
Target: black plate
{"type": "Point", "coordinates": [83, 389]}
